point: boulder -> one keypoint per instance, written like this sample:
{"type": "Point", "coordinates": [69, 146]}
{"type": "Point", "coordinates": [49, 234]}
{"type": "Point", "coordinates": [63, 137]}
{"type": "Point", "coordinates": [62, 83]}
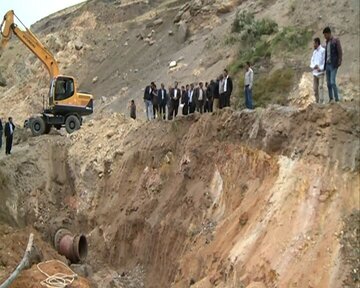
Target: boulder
{"type": "Point", "coordinates": [224, 8]}
{"type": "Point", "coordinates": [178, 16]}
{"type": "Point", "coordinates": [78, 45]}
{"type": "Point", "coordinates": [158, 22]}
{"type": "Point", "coordinates": [3, 82]}
{"type": "Point", "coordinates": [195, 7]}
{"type": "Point", "coordinates": [183, 32]}
{"type": "Point", "coordinates": [181, 12]}
{"type": "Point", "coordinates": [172, 64]}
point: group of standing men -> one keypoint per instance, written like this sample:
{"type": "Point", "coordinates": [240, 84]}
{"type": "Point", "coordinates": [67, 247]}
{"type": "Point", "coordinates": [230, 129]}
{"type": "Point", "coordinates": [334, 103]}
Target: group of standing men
{"type": "Point", "coordinates": [164, 104]}
{"type": "Point", "coordinates": [9, 133]}
{"type": "Point", "coordinates": [326, 60]}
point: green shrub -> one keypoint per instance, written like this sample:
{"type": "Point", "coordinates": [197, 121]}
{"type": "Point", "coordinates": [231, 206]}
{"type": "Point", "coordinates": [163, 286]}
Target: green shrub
{"type": "Point", "coordinates": [291, 38]}
{"type": "Point", "coordinates": [242, 19]}
{"type": "Point", "coordinates": [251, 29]}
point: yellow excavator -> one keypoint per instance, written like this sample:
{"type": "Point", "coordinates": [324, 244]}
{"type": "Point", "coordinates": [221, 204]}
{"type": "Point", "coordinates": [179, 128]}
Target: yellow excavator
{"type": "Point", "coordinates": [66, 105]}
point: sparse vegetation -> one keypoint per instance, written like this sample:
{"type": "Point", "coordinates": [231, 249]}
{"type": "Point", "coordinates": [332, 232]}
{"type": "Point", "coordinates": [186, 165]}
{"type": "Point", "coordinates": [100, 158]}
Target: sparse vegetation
{"type": "Point", "coordinates": [260, 40]}
{"type": "Point", "coordinates": [291, 38]}
{"type": "Point", "coordinates": [269, 88]}
{"type": "Point", "coordinates": [288, 39]}
{"type": "Point", "coordinates": [273, 88]}
{"type": "Point", "coordinates": [251, 29]}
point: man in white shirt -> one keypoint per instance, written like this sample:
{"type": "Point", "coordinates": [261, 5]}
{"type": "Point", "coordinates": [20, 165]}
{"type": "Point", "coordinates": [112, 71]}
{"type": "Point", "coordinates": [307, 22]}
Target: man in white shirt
{"type": "Point", "coordinates": [317, 65]}
{"type": "Point", "coordinates": [228, 87]}
{"type": "Point", "coordinates": [221, 92]}
{"type": "Point", "coordinates": [248, 84]}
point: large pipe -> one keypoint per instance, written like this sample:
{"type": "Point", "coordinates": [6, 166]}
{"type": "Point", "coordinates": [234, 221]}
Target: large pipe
{"type": "Point", "coordinates": [73, 247]}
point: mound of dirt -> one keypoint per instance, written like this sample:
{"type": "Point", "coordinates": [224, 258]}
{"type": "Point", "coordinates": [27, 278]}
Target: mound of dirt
{"type": "Point", "coordinates": [13, 244]}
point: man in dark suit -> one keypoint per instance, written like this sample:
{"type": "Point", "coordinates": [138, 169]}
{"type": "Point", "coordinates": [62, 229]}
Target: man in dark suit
{"type": "Point", "coordinates": [185, 99]}
{"type": "Point", "coordinates": [162, 99]}
{"type": "Point", "coordinates": [200, 95]}
{"type": "Point", "coordinates": [9, 132]}
{"type": "Point", "coordinates": [1, 133]}
{"type": "Point", "coordinates": [228, 87]}
{"type": "Point", "coordinates": [192, 103]}
{"type": "Point", "coordinates": [155, 102]}
{"type": "Point", "coordinates": [209, 97]}
{"type": "Point", "coordinates": [175, 95]}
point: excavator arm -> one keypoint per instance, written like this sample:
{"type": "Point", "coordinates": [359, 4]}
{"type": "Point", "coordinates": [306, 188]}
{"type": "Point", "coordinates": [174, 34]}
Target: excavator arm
{"type": "Point", "coordinates": [8, 27]}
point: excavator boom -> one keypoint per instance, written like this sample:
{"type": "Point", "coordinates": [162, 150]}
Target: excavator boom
{"type": "Point", "coordinates": [66, 105]}
{"type": "Point", "coordinates": [29, 40]}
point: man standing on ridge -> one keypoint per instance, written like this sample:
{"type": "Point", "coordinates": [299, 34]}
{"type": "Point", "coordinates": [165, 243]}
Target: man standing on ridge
{"type": "Point", "coordinates": [199, 95]}
{"type": "Point", "coordinates": [148, 95]}
{"type": "Point", "coordinates": [185, 99]}
{"type": "Point", "coordinates": [317, 65]}
{"type": "Point", "coordinates": [228, 87]}
{"type": "Point", "coordinates": [216, 94]}
{"type": "Point", "coordinates": [248, 83]}
{"type": "Point", "coordinates": [9, 133]}
{"type": "Point", "coordinates": [163, 99]}
{"type": "Point", "coordinates": [1, 133]}
{"type": "Point", "coordinates": [192, 104]}
{"type": "Point", "coordinates": [155, 103]}
{"type": "Point", "coordinates": [175, 95]}
{"type": "Point", "coordinates": [221, 92]}
{"type": "Point", "coordinates": [333, 60]}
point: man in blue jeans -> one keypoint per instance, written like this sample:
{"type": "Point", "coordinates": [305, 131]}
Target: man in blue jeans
{"type": "Point", "coordinates": [248, 83]}
{"type": "Point", "coordinates": [333, 60]}
{"type": "Point", "coordinates": [149, 93]}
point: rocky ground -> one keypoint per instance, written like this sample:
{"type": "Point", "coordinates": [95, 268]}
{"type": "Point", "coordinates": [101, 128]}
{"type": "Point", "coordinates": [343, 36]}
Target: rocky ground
{"type": "Point", "coordinates": [263, 198]}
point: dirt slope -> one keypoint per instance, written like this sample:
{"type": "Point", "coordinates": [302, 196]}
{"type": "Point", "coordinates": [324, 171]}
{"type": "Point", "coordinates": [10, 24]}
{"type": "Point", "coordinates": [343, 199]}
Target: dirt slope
{"type": "Point", "coordinates": [115, 37]}
{"type": "Point", "coordinates": [225, 199]}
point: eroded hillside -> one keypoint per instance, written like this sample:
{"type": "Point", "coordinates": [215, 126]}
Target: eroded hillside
{"type": "Point", "coordinates": [235, 198]}
{"type": "Point", "coordinates": [220, 200]}
{"type": "Point", "coordinates": [124, 45]}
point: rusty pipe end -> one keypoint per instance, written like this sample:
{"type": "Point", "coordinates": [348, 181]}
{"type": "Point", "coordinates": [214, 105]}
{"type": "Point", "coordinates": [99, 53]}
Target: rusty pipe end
{"type": "Point", "coordinates": [73, 247]}
{"type": "Point", "coordinates": [80, 247]}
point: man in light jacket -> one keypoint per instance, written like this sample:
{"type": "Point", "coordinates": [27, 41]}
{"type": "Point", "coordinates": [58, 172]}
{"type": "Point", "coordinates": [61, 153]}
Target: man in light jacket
{"type": "Point", "coordinates": [317, 65]}
{"type": "Point", "coordinates": [248, 83]}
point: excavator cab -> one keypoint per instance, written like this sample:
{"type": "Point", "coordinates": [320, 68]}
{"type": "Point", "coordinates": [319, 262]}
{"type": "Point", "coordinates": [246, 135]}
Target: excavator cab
{"type": "Point", "coordinates": [61, 88]}
{"type": "Point", "coordinates": [64, 88]}
{"type": "Point", "coordinates": [64, 99]}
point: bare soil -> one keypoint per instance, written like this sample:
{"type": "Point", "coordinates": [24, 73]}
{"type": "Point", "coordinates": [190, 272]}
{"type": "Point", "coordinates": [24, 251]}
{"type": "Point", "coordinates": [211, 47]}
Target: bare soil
{"type": "Point", "coordinates": [225, 199]}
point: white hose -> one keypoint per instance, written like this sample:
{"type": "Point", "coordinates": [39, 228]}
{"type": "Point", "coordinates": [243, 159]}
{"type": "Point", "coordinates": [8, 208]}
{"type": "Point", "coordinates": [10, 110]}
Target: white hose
{"type": "Point", "coordinates": [58, 280]}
